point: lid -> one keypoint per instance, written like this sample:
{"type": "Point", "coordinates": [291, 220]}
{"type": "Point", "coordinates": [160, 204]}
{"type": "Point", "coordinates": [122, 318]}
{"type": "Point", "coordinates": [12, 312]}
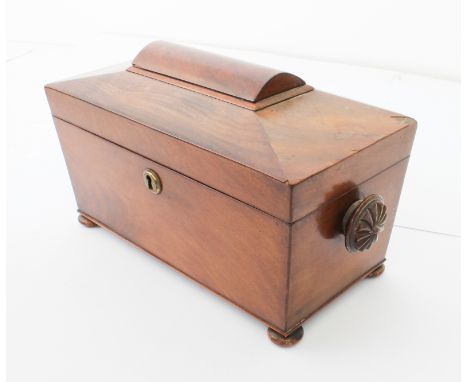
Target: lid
{"type": "Point", "coordinates": [257, 134]}
{"type": "Point", "coordinates": [238, 82]}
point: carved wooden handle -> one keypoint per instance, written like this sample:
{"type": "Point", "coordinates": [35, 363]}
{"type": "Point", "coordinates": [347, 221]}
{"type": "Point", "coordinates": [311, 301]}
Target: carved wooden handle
{"type": "Point", "coordinates": [363, 222]}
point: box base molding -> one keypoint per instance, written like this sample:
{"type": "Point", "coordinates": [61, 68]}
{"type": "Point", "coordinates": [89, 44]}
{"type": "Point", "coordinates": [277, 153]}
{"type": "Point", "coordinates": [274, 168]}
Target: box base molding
{"type": "Point", "coordinates": [277, 336]}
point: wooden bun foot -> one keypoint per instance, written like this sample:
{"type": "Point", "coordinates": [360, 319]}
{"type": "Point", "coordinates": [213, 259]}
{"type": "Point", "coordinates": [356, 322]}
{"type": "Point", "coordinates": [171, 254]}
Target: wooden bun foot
{"type": "Point", "coordinates": [86, 222]}
{"type": "Point", "coordinates": [376, 272]}
{"type": "Point", "coordinates": [288, 341]}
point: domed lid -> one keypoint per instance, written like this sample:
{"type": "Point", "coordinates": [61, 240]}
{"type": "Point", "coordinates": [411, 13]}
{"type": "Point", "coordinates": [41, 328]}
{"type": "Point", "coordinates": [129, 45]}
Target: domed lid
{"type": "Point", "coordinates": [211, 72]}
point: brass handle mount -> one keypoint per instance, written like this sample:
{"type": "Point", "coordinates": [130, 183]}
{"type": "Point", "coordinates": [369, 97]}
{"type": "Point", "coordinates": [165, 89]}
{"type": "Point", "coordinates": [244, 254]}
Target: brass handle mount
{"type": "Point", "coordinates": [363, 221]}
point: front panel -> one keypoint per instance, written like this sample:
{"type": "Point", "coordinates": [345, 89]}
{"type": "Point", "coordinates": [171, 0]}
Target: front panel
{"type": "Point", "coordinates": [234, 249]}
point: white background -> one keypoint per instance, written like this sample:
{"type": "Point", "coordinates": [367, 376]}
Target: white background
{"type": "Point", "coordinates": [420, 36]}
{"type": "Point", "coordinates": [83, 305]}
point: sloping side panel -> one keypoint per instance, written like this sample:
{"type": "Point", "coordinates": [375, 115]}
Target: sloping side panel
{"type": "Point", "coordinates": [321, 267]}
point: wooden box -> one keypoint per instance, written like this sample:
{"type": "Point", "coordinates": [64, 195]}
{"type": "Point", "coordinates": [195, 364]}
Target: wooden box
{"type": "Point", "coordinates": [268, 192]}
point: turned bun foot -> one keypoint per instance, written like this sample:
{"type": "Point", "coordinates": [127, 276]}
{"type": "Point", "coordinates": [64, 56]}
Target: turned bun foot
{"type": "Point", "coordinates": [291, 340]}
{"type": "Point", "coordinates": [376, 272]}
{"type": "Point", "coordinates": [86, 222]}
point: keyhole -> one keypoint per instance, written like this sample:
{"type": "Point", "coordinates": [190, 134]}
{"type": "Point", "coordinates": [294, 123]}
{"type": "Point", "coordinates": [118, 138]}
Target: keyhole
{"type": "Point", "coordinates": [149, 182]}
{"type": "Point", "coordinates": [152, 181]}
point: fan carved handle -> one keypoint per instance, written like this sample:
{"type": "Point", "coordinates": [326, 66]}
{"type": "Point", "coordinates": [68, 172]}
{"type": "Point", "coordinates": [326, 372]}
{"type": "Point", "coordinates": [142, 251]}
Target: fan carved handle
{"type": "Point", "coordinates": [363, 222]}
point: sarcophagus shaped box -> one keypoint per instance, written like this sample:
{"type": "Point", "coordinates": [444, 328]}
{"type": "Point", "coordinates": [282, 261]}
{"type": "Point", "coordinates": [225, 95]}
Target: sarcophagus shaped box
{"type": "Point", "coordinates": [246, 179]}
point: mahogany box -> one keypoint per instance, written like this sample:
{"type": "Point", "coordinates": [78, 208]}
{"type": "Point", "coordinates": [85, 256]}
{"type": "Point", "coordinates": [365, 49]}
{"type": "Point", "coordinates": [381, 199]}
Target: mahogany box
{"type": "Point", "coordinates": [272, 194]}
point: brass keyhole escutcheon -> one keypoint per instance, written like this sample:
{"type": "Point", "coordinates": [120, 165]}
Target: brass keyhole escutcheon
{"type": "Point", "coordinates": [152, 181]}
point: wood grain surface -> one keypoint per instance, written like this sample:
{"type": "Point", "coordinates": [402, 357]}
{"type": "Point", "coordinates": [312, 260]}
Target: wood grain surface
{"type": "Point", "coordinates": [321, 267]}
{"type": "Point", "coordinates": [236, 250]}
{"type": "Point", "coordinates": [250, 105]}
{"type": "Point", "coordinates": [275, 158]}
{"type": "Point", "coordinates": [226, 75]}
{"type": "Point", "coordinates": [252, 201]}
{"type": "Point", "coordinates": [227, 176]}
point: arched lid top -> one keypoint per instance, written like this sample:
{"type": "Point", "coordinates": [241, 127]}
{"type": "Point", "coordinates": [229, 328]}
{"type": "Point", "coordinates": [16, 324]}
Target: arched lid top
{"type": "Point", "coordinates": [222, 74]}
